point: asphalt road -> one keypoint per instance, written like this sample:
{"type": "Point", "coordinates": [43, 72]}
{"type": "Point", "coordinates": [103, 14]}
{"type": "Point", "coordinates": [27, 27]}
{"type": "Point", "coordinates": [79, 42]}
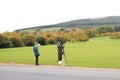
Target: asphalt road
{"type": "Point", "coordinates": [56, 73]}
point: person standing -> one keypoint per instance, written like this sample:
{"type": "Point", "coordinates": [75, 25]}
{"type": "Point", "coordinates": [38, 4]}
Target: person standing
{"type": "Point", "coordinates": [36, 53]}
{"type": "Point", "coordinates": [60, 51]}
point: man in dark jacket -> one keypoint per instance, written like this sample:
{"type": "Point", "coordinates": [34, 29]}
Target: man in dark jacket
{"type": "Point", "coordinates": [36, 53]}
{"type": "Point", "coordinates": [60, 51]}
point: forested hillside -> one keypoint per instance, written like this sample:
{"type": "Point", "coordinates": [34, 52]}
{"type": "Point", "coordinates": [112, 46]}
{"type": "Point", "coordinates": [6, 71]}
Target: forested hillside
{"type": "Point", "coordinates": [80, 23]}
{"type": "Point", "coordinates": [90, 22]}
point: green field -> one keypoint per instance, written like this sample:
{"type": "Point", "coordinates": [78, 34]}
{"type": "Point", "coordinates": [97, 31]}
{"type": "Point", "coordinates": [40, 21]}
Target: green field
{"type": "Point", "coordinates": [98, 52]}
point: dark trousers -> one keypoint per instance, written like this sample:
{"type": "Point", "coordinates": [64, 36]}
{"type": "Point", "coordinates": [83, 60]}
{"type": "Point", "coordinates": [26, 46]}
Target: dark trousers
{"type": "Point", "coordinates": [59, 58]}
{"type": "Point", "coordinates": [36, 61]}
{"type": "Point", "coordinates": [60, 53]}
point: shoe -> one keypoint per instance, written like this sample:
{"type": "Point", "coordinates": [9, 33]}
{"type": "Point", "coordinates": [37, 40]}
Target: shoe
{"type": "Point", "coordinates": [60, 62]}
{"type": "Point", "coordinates": [37, 64]}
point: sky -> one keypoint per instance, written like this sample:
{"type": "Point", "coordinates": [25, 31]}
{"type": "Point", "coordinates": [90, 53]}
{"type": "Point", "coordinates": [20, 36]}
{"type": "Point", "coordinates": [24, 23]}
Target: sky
{"type": "Point", "coordinates": [18, 14]}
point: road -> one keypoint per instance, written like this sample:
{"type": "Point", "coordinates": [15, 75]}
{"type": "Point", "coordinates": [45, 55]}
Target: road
{"type": "Point", "coordinates": [11, 72]}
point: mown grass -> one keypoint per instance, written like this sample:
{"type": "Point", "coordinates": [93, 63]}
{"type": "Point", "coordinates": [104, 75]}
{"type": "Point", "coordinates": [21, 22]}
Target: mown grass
{"type": "Point", "coordinates": [98, 52]}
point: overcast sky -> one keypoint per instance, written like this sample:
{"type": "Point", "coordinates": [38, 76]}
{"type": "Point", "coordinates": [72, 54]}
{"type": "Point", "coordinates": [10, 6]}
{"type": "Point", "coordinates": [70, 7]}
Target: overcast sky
{"type": "Point", "coordinates": [17, 14]}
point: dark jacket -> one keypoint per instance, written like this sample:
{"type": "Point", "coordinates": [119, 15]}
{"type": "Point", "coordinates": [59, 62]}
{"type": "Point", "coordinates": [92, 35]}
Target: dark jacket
{"type": "Point", "coordinates": [60, 49]}
{"type": "Point", "coordinates": [35, 50]}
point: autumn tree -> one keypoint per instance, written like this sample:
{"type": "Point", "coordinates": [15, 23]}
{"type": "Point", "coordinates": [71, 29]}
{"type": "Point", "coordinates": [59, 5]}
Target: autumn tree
{"type": "Point", "coordinates": [22, 33]}
{"type": "Point", "coordinates": [84, 38]}
{"type": "Point", "coordinates": [29, 39]}
{"type": "Point", "coordinates": [17, 42]}
{"type": "Point", "coordinates": [5, 42]}
{"type": "Point", "coordinates": [114, 36]}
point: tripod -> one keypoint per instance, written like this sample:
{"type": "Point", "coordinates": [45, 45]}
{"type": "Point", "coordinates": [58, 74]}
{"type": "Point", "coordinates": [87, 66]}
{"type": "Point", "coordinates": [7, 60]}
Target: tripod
{"type": "Point", "coordinates": [64, 55]}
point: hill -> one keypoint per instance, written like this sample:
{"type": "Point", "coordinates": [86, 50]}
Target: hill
{"type": "Point", "coordinates": [89, 22]}
{"type": "Point", "coordinates": [111, 20]}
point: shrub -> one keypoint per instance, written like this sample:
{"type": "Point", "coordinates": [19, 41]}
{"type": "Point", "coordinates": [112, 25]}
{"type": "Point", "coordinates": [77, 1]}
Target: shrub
{"type": "Point", "coordinates": [5, 42]}
{"type": "Point", "coordinates": [17, 42]}
{"type": "Point", "coordinates": [41, 40]}
{"type": "Point", "coordinates": [51, 41]}
{"type": "Point", "coordinates": [29, 40]}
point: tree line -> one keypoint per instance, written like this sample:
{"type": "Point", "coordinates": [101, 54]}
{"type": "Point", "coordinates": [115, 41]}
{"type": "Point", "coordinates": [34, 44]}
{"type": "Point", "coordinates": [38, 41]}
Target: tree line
{"type": "Point", "coordinates": [24, 38]}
